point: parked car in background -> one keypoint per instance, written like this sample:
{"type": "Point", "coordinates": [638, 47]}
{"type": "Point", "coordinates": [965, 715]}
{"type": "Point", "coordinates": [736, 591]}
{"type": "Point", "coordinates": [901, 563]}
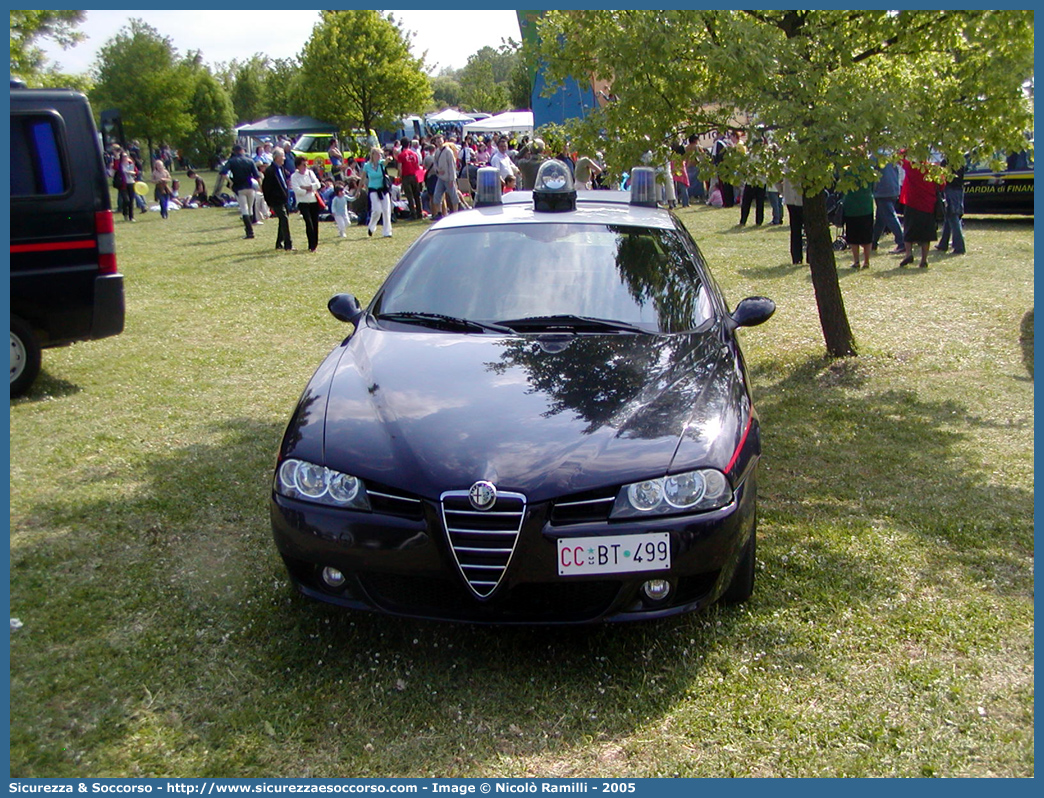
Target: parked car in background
{"type": "Point", "coordinates": [315, 147]}
{"type": "Point", "coordinates": [1008, 190]}
{"type": "Point", "coordinates": [64, 283]}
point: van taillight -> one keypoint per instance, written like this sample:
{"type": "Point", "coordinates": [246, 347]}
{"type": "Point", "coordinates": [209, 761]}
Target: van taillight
{"type": "Point", "coordinates": [105, 231]}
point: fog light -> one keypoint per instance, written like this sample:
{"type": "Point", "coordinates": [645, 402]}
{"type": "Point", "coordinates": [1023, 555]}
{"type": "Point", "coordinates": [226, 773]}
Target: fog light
{"type": "Point", "coordinates": [656, 589]}
{"type": "Point", "coordinates": [332, 577]}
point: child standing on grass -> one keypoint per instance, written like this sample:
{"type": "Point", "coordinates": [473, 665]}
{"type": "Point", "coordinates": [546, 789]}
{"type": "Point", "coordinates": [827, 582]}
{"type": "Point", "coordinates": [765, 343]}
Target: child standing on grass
{"type": "Point", "coordinates": [162, 179]}
{"type": "Point", "coordinates": [339, 209]}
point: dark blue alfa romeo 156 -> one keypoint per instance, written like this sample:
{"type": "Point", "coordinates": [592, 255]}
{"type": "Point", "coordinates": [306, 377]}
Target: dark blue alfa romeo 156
{"type": "Point", "coordinates": [543, 416]}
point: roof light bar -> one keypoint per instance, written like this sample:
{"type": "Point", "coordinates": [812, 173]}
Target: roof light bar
{"type": "Point", "coordinates": [487, 190]}
{"type": "Point", "coordinates": [644, 190]}
{"type": "Point", "coordinates": [553, 190]}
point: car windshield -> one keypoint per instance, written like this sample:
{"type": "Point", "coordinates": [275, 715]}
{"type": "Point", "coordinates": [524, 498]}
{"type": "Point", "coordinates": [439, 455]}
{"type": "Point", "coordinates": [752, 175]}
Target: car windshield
{"type": "Point", "coordinates": [643, 277]}
{"type": "Point", "coordinates": [1013, 161]}
{"type": "Point", "coordinates": [310, 143]}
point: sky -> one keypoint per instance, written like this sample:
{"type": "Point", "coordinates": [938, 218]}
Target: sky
{"type": "Point", "coordinates": [448, 36]}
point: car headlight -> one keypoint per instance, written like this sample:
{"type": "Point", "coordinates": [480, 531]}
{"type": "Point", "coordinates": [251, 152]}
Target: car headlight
{"type": "Point", "coordinates": [691, 492]}
{"type": "Point", "coordinates": [298, 479]}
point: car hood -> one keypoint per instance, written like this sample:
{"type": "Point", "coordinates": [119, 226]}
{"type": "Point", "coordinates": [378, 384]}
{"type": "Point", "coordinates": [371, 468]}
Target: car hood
{"type": "Point", "coordinates": [547, 415]}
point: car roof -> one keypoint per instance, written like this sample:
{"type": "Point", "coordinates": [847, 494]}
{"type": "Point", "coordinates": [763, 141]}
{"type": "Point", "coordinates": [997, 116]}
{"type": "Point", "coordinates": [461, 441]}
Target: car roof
{"type": "Point", "coordinates": [592, 207]}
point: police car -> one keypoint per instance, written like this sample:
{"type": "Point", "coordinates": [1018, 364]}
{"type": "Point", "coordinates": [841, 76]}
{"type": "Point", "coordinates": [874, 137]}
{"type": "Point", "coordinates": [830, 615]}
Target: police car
{"type": "Point", "coordinates": [1009, 191]}
{"type": "Point", "coordinates": [542, 416]}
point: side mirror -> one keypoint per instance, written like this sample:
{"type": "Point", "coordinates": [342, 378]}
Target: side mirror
{"type": "Point", "coordinates": [753, 311]}
{"type": "Point", "coordinates": [345, 307]}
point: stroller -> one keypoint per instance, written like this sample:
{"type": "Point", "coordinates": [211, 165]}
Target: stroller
{"type": "Point", "coordinates": [835, 206]}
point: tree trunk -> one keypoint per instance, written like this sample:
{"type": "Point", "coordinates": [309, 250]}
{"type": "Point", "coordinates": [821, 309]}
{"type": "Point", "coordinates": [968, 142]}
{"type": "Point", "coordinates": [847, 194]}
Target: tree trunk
{"type": "Point", "coordinates": [832, 316]}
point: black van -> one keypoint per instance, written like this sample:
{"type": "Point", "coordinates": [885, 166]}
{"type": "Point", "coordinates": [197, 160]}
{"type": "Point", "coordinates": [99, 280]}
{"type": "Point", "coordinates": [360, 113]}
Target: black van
{"type": "Point", "coordinates": [64, 283]}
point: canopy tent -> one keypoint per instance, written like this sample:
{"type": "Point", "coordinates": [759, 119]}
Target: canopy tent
{"type": "Point", "coordinates": [449, 121]}
{"type": "Point", "coordinates": [449, 115]}
{"type": "Point", "coordinates": [287, 125]}
{"type": "Point", "coordinates": [507, 122]}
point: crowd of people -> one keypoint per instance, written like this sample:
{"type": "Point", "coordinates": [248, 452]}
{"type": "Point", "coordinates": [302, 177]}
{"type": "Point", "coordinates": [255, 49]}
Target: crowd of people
{"type": "Point", "coordinates": [408, 179]}
{"type": "Point", "coordinates": [870, 210]}
{"type": "Point", "coordinates": [126, 168]}
{"type": "Point", "coordinates": [865, 213]}
{"type": "Point", "coordinates": [429, 177]}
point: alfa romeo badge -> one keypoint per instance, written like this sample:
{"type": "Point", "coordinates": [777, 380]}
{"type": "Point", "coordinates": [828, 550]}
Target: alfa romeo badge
{"type": "Point", "coordinates": [482, 495]}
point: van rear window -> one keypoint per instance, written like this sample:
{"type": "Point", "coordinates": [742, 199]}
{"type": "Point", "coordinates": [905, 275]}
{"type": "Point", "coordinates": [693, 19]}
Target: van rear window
{"type": "Point", "coordinates": [36, 159]}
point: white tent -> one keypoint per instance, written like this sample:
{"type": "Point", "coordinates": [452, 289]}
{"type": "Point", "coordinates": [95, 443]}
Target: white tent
{"type": "Point", "coordinates": [450, 115]}
{"type": "Point", "coordinates": [507, 122]}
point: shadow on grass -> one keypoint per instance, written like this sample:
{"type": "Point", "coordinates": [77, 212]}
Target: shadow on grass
{"type": "Point", "coordinates": [1026, 341]}
{"type": "Point", "coordinates": [779, 272]}
{"type": "Point", "coordinates": [162, 637]}
{"type": "Point", "coordinates": [742, 229]}
{"type": "Point", "coordinates": [889, 455]}
{"type": "Point", "coordinates": [892, 271]}
{"type": "Point", "coordinates": [266, 254]}
{"type": "Point", "coordinates": [47, 387]}
{"type": "Point", "coordinates": [205, 243]}
{"type": "Point", "coordinates": [170, 608]}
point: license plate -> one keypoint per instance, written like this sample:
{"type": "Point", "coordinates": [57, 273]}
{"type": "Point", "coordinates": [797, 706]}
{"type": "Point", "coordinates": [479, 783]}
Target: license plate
{"type": "Point", "coordinates": [614, 554]}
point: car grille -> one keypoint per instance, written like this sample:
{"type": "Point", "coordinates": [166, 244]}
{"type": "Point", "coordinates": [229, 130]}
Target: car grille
{"type": "Point", "coordinates": [591, 507]}
{"type": "Point", "coordinates": [391, 501]}
{"type": "Point", "coordinates": [482, 541]}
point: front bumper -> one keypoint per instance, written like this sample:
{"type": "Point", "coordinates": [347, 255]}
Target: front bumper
{"type": "Point", "coordinates": [402, 564]}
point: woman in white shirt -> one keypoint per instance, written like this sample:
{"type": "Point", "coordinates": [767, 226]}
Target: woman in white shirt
{"type": "Point", "coordinates": [306, 190]}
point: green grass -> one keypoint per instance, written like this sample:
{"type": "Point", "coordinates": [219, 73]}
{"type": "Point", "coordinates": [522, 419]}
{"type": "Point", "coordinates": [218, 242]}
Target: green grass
{"type": "Point", "coordinates": [890, 634]}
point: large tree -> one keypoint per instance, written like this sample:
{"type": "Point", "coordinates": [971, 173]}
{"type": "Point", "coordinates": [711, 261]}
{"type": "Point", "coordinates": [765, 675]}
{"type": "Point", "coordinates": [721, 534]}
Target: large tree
{"type": "Point", "coordinates": [28, 27]}
{"type": "Point", "coordinates": [247, 88]}
{"type": "Point", "coordinates": [829, 88]}
{"type": "Point", "coordinates": [357, 71]}
{"type": "Point", "coordinates": [519, 85]}
{"type": "Point", "coordinates": [446, 90]}
{"type": "Point", "coordinates": [139, 72]}
{"type": "Point", "coordinates": [487, 79]}
{"type": "Point", "coordinates": [28, 61]}
{"type": "Point", "coordinates": [213, 128]}
{"type": "Point", "coordinates": [478, 90]}
{"type": "Point", "coordinates": [283, 93]}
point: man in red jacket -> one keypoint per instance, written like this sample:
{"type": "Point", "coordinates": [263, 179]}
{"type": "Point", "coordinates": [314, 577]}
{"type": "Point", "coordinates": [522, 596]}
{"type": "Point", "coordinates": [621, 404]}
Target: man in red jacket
{"type": "Point", "coordinates": [409, 169]}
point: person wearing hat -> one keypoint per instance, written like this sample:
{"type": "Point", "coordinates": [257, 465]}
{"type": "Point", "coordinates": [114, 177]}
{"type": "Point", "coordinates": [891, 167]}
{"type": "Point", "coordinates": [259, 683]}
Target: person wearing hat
{"type": "Point", "coordinates": [242, 170]}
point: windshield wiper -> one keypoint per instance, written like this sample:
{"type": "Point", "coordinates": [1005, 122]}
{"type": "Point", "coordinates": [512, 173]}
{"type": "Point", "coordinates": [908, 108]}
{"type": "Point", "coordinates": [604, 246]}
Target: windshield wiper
{"type": "Point", "coordinates": [570, 322]}
{"type": "Point", "coordinates": [444, 322]}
